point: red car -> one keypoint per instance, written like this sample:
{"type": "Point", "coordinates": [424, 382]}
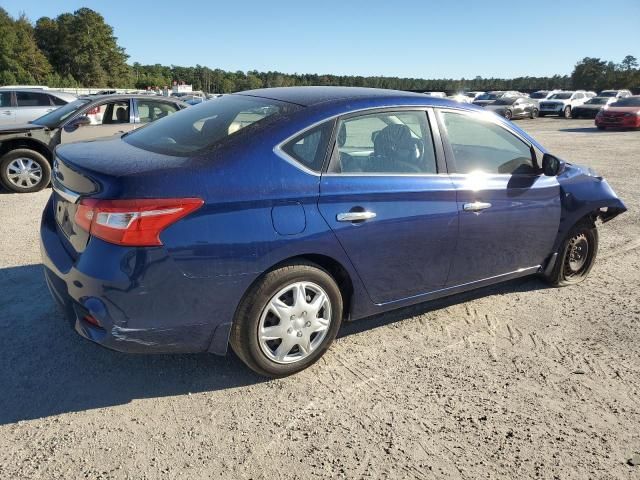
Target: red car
{"type": "Point", "coordinates": [624, 113]}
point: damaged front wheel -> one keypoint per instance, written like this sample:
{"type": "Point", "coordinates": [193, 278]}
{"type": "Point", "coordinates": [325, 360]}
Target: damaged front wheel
{"type": "Point", "coordinates": [576, 257]}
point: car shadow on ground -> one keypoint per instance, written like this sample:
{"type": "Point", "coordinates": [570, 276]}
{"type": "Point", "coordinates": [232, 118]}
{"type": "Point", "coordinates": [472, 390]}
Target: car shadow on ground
{"type": "Point", "coordinates": [526, 284]}
{"type": "Point", "coordinates": [47, 369]}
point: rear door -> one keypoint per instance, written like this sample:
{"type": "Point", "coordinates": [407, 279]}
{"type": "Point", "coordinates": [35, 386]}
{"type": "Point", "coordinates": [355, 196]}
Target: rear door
{"type": "Point", "coordinates": [97, 121]}
{"type": "Point", "coordinates": [389, 200]}
{"type": "Point", "coordinates": [7, 108]}
{"type": "Point", "coordinates": [509, 212]}
{"type": "Point", "coordinates": [32, 105]}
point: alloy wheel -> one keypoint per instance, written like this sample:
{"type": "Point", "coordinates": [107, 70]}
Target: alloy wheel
{"type": "Point", "coordinates": [24, 172]}
{"type": "Point", "coordinates": [294, 322]}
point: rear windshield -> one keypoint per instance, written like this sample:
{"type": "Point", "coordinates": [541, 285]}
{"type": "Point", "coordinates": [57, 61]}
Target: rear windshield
{"type": "Point", "coordinates": [53, 119]}
{"type": "Point", "coordinates": [561, 96]}
{"type": "Point", "coordinates": [608, 93]}
{"type": "Point", "coordinates": [597, 101]}
{"type": "Point", "coordinates": [627, 102]}
{"type": "Point", "coordinates": [200, 127]}
{"type": "Point", "coordinates": [539, 95]}
{"type": "Point", "coordinates": [505, 101]}
{"type": "Point", "coordinates": [488, 96]}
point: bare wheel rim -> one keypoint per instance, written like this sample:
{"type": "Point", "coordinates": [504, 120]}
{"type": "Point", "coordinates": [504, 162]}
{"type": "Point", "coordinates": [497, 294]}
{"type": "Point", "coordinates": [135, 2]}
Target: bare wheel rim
{"type": "Point", "coordinates": [294, 322]}
{"type": "Point", "coordinates": [24, 172]}
{"type": "Point", "coordinates": [576, 260]}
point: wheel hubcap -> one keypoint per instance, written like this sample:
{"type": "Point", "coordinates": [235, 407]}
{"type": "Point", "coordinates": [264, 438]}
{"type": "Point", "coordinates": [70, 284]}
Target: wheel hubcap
{"type": "Point", "coordinates": [24, 172]}
{"type": "Point", "coordinates": [295, 322]}
{"type": "Point", "coordinates": [577, 254]}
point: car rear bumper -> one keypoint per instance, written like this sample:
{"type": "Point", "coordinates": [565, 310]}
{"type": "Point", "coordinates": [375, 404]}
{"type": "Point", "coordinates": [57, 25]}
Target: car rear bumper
{"type": "Point", "coordinates": [142, 301]}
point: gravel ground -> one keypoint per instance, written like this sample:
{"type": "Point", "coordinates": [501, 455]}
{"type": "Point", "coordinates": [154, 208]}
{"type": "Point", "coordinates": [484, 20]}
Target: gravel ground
{"type": "Point", "coordinates": [513, 381]}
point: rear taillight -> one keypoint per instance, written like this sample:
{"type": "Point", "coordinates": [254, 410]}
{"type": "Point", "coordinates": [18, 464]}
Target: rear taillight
{"type": "Point", "coordinates": [132, 222]}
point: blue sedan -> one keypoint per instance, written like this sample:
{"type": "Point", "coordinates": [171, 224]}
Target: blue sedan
{"type": "Point", "coordinates": [266, 218]}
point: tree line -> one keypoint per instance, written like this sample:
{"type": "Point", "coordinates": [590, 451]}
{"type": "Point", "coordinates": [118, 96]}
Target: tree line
{"type": "Point", "coordinates": [79, 49]}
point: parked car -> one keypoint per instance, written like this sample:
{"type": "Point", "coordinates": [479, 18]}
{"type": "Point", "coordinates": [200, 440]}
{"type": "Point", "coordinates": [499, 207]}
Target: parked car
{"type": "Point", "coordinates": [543, 94]}
{"type": "Point", "coordinates": [490, 97]}
{"type": "Point", "coordinates": [435, 94]}
{"type": "Point", "coordinates": [562, 103]}
{"type": "Point", "coordinates": [26, 150]}
{"type": "Point", "coordinates": [615, 93]}
{"type": "Point", "coordinates": [264, 219]}
{"type": "Point", "coordinates": [460, 97]}
{"type": "Point", "coordinates": [514, 107]}
{"type": "Point", "coordinates": [624, 113]}
{"type": "Point", "coordinates": [591, 107]}
{"type": "Point", "coordinates": [472, 95]}
{"type": "Point", "coordinates": [25, 104]}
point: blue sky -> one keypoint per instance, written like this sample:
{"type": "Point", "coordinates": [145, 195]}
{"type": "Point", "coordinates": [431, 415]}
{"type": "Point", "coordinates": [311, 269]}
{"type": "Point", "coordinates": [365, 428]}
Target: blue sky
{"type": "Point", "coordinates": [426, 39]}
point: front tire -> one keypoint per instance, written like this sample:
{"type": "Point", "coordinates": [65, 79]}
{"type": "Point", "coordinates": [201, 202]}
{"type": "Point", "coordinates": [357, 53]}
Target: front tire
{"type": "Point", "coordinates": [534, 113]}
{"type": "Point", "coordinates": [576, 257]}
{"type": "Point", "coordinates": [508, 114]}
{"type": "Point", "coordinates": [566, 113]}
{"type": "Point", "coordinates": [24, 171]}
{"type": "Point", "coordinates": [287, 320]}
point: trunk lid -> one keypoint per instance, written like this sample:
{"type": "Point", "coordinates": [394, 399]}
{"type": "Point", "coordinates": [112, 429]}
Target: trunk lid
{"type": "Point", "coordinates": [106, 169]}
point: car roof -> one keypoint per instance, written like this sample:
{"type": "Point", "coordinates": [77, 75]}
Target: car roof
{"type": "Point", "coordinates": [127, 96]}
{"type": "Point", "coordinates": [309, 96]}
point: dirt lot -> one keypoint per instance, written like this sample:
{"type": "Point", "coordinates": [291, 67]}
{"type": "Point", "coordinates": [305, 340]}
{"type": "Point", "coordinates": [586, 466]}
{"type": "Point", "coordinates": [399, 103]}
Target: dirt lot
{"type": "Point", "coordinates": [514, 381]}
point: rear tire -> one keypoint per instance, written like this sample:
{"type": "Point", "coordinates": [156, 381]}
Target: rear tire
{"type": "Point", "coordinates": [24, 171]}
{"type": "Point", "coordinates": [279, 329]}
{"type": "Point", "coordinates": [508, 114]}
{"type": "Point", "coordinates": [534, 113]}
{"type": "Point", "coordinates": [576, 256]}
{"type": "Point", "coordinates": [566, 113]}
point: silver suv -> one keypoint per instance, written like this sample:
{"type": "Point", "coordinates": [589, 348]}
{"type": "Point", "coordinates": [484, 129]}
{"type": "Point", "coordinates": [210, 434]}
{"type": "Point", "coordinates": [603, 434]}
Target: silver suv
{"type": "Point", "coordinates": [21, 105]}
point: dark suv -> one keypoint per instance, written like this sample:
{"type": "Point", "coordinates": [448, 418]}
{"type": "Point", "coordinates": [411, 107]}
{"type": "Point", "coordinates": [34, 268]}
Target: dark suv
{"type": "Point", "coordinates": [26, 150]}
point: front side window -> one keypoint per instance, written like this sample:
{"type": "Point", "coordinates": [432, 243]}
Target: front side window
{"type": "Point", "coordinates": [32, 99]}
{"type": "Point", "coordinates": [151, 110]}
{"type": "Point", "coordinates": [310, 148]}
{"type": "Point", "coordinates": [481, 146]}
{"type": "Point", "coordinates": [390, 142]}
{"type": "Point", "coordinates": [202, 126]}
{"type": "Point", "coordinates": [109, 113]}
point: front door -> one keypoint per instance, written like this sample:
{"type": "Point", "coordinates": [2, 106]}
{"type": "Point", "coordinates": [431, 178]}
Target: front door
{"type": "Point", "coordinates": [392, 209]}
{"type": "Point", "coordinates": [509, 212]}
{"type": "Point", "coordinates": [97, 121]}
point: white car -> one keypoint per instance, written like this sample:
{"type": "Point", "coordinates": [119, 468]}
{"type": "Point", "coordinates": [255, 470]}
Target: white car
{"type": "Point", "coordinates": [460, 98]}
{"type": "Point", "coordinates": [436, 94]}
{"type": "Point", "coordinates": [615, 93]}
{"type": "Point", "coordinates": [561, 103]}
{"type": "Point", "coordinates": [21, 105]}
{"type": "Point", "coordinates": [541, 95]}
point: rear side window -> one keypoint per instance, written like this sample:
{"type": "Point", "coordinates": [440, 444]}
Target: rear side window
{"type": "Point", "coordinates": [310, 148]}
{"type": "Point", "coordinates": [481, 146]}
{"type": "Point", "coordinates": [384, 143]}
{"type": "Point", "coordinates": [202, 126]}
{"type": "Point", "coordinates": [32, 99]}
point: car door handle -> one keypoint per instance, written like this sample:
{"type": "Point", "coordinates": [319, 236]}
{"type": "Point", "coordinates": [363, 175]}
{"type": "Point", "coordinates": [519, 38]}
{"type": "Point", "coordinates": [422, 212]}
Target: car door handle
{"type": "Point", "coordinates": [476, 206]}
{"type": "Point", "coordinates": [355, 216]}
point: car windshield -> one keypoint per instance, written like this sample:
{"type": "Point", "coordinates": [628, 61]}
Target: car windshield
{"type": "Point", "coordinates": [539, 95]}
{"type": "Point", "coordinates": [198, 128]}
{"type": "Point", "coordinates": [627, 102]}
{"type": "Point", "coordinates": [561, 96]}
{"type": "Point", "coordinates": [608, 93]}
{"type": "Point", "coordinates": [597, 101]}
{"type": "Point", "coordinates": [53, 119]}
{"type": "Point", "coordinates": [505, 101]}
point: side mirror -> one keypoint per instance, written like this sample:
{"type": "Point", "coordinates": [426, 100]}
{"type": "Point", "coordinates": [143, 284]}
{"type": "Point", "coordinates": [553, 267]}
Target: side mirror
{"type": "Point", "coordinates": [551, 165]}
{"type": "Point", "coordinates": [77, 122]}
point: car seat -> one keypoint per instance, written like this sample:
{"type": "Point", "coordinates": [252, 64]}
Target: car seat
{"type": "Point", "coordinates": [396, 151]}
